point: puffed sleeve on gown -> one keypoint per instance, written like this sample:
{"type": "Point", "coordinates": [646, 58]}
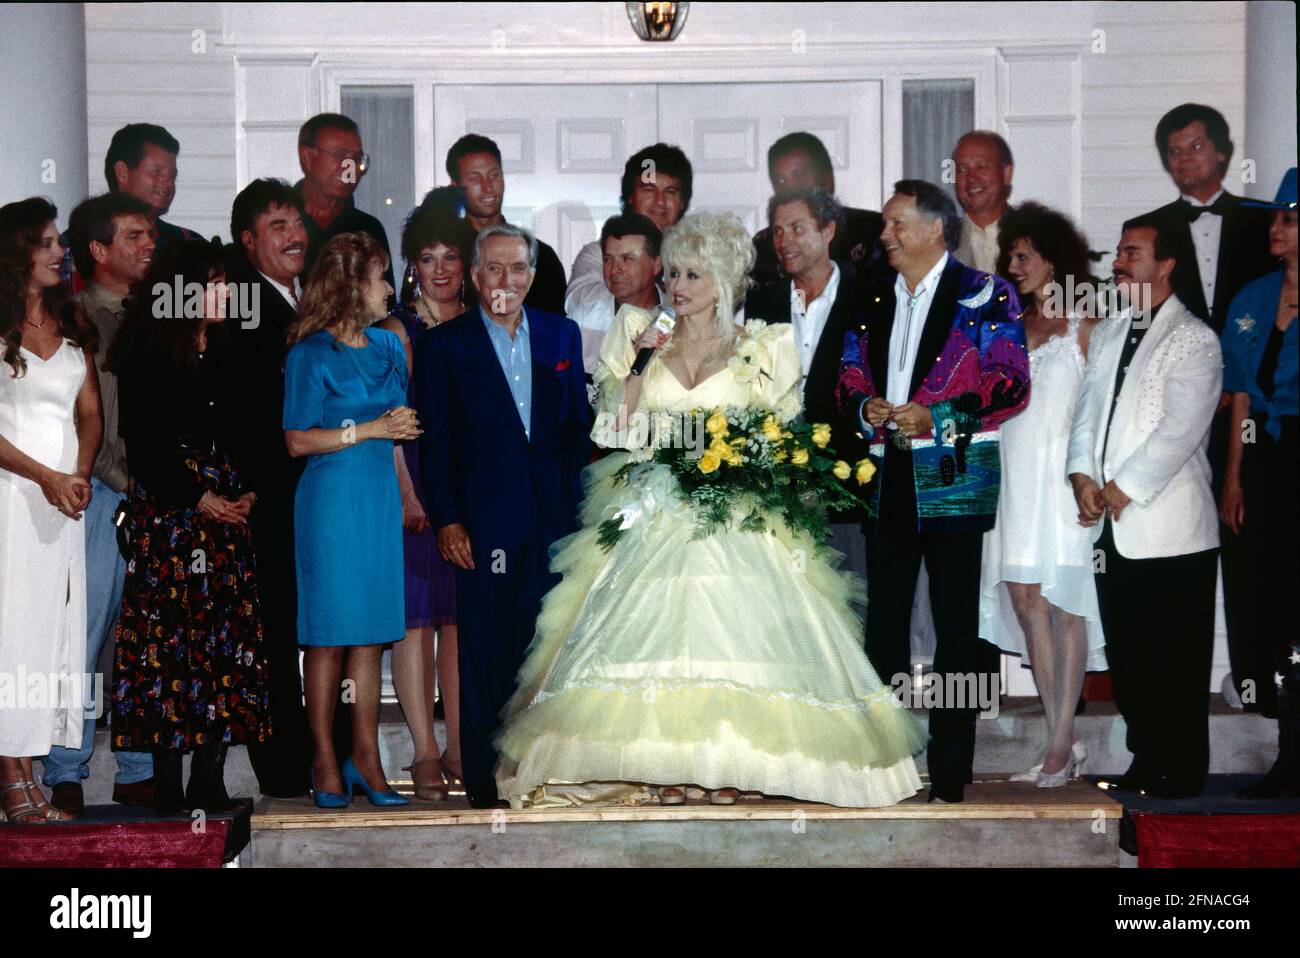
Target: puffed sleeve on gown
{"type": "Point", "coordinates": [780, 386]}
{"type": "Point", "coordinates": [617, 353]}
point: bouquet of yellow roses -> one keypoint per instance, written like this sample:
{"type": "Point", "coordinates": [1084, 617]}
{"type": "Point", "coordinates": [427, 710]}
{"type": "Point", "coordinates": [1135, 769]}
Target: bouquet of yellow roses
{"type": "Point", "coordinates": [751, 466]}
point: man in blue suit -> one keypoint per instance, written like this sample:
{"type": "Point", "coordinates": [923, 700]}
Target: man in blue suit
{"type": "Point", "coordinates": [502, 397]}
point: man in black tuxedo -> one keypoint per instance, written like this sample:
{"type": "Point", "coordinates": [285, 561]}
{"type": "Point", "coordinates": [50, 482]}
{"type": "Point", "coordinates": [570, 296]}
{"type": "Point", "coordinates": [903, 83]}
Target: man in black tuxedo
{"type": "Point", "coordinates": [1231, 240]}
{"type": "Point", "coordinates": [800, 161]}
{"type": "Point", "coordinates": [819, 298]}
{"type": "Point", "coordinates": [270, 249]}
{"type": "Point", "coordinates": [1226, 246]}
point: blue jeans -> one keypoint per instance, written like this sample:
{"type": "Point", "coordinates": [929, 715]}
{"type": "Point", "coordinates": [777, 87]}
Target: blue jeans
{"type": "Point", "coordinates": [105, 577]}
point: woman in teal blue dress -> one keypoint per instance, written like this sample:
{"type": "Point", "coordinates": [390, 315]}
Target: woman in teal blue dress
{"type": "Point", "coordinates": [344, 405]}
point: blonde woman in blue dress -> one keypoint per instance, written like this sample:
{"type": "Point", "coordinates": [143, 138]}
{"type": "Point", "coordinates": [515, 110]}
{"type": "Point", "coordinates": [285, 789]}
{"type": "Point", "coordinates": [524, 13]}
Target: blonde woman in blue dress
{"type": "Point", "coordinates": [731, 662]}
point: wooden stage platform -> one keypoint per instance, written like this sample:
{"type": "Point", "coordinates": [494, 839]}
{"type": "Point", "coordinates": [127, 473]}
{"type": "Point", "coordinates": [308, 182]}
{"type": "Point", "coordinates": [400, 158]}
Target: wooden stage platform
{"type": "Point", "coordinates": [1000, 824]}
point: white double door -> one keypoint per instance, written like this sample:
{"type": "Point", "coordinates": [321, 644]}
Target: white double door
{"type": "Point", "coordinates": [563, 147]}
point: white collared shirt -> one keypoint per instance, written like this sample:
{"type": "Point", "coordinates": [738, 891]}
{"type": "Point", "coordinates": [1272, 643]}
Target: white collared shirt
{"type": "Point", "coordinates": [809, 322]}
{"type": "Point", "coordinates": [978, 248]}
{"type": "Point", "coordinates": [905, 338]}
{"type": "Point", "coordinates": [294, 297]}
{"type": "Point", "coordinates": [594, 315]}
{"type": "Point", "coordinates": [1206, 233]}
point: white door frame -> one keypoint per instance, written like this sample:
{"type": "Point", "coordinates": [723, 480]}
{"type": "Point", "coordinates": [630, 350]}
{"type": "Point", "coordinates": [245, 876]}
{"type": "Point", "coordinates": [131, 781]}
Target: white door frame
{"type": "Point", "coordinates": [324, 71]}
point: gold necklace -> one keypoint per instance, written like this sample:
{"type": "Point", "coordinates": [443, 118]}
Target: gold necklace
{"type": "Point", "coordinates": [426, 312]}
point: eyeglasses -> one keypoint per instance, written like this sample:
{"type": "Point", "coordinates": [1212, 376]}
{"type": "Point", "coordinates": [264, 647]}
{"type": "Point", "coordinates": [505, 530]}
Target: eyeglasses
{"type": "Point", "coordinates": [362, 160]}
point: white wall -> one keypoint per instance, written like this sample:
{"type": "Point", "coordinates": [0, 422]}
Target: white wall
{"type": "Point", "coordinates": [1080, 122]}
{"type": "Point", "coordinates": [144, 63]}
{"type": "Point", "coordinates": [1270, 93]}
{"type": "Point", "coordinates": [1158, 55]}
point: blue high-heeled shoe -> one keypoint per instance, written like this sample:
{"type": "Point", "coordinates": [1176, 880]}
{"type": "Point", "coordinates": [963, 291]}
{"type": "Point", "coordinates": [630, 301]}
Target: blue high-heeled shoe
{"type": "Point", "coordinates": [352, 776]}
{"type": "Point", "coordinates": [329, 799]}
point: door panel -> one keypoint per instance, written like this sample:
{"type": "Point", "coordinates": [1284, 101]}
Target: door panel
{"type": "Point", "coordinates": [562, 150]}
{"type": "Point", "coordinates": [726, 129]}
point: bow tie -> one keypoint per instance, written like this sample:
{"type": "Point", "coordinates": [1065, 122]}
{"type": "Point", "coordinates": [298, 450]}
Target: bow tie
{"type": "Point", "coordinates": [1193, 213]}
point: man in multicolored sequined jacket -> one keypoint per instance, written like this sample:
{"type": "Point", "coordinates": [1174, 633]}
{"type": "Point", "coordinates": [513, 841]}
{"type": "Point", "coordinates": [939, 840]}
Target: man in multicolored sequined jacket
{"type": "Point", "coordinates": [978, 378]}
{"type": "Point", "coordinates": [937, 361]}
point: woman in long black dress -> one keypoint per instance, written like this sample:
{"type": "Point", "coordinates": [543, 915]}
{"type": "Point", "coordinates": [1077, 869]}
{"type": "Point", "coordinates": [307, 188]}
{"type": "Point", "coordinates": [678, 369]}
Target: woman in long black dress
{"type": "Point", "coordinates": [1261, 488]}
{"type": "Point", "coordinates": [189, 672]}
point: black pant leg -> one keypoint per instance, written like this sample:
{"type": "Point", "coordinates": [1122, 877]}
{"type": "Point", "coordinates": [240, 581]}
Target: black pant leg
{"type": "Point", "coordinates": [1122, 621]}
{"type": "Point", "coordinates": [962, 660]}
{"type": "Point", "coordinates": [1274, 497]}
{"type": "Point", "coordinates": [893, 563]}
{"type": "Point", "coordinates": [533, 581]}
{"type": "Point", "coordinates": [485, 605]}
{"type": "Point", "coordinates": [282, 763]}
{"type": "Point", "coordinates": [1177, 654]}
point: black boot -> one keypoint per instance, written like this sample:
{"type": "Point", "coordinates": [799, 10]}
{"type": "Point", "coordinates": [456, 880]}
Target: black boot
{"type": "Point", "coordinates": [167, 795]}
{"type": "Point", "coordinates": [207, 788]}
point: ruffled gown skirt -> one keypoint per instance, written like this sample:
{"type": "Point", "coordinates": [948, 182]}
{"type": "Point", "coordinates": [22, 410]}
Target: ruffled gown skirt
{"type": "Point", "coordinates": [731, 660]}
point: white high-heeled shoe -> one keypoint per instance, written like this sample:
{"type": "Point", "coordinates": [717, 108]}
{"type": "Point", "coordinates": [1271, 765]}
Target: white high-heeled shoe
{"type": "Point", "coordinates": [1031, 775]}
{"type": "Point", "coordinates": [1073, 768]}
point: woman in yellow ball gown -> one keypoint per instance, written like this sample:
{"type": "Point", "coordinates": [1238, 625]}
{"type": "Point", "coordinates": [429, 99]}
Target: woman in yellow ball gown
{"type": "Point", "coordinates": [730, 662]}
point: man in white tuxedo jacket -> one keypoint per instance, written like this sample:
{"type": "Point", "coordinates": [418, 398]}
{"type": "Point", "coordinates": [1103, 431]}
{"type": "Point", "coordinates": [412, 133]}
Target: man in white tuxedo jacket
{"type": "Point", "coordinates": [1137, 462]}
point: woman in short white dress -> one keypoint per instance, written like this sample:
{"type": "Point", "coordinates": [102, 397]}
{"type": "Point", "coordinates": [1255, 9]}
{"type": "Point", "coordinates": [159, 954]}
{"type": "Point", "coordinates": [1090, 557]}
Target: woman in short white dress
{"type": "Point", "coordinates": [1037, 597]}
{"type": "Point", "coordinates": [50, 429]}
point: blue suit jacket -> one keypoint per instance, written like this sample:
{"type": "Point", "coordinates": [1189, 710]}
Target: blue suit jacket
{"type": "Point", "coordinates": [477, 465]}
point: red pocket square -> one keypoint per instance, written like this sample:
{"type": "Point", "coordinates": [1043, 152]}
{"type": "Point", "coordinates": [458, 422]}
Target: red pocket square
{"type": "Point", "coordinates": [562, 365]}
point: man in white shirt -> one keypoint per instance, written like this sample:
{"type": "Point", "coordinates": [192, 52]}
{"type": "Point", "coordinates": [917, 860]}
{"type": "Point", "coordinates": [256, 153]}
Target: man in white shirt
{"type": "Point", "coordinates": [1230, 240]}
{"type": "Point", "coordinates": [983, 166]}
{"type": "Point", "coordinates": [1137, 462]}
{"type": "Point", "coordinates": [819, 299]}
{"type": "Point", "coordinates": [936, 363]}
{"type": "Point", "coordinates": [657, 184]}
{"type": "Point", "coordinates": [630, 270]}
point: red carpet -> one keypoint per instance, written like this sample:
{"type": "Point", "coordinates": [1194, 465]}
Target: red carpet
{"type": "Point", "coordinates": [115, 836]}
{"type": "Point", "coordinates": [1218, 841]}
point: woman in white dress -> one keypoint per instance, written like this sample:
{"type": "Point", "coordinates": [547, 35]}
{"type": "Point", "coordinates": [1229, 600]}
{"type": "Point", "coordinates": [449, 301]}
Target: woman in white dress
{"type": "Point", "coordinates": [50, 428]}
{"type": "Point", "coordinates": [733, 661]}
{"type": "Point", "coordinates": [1037, 594]}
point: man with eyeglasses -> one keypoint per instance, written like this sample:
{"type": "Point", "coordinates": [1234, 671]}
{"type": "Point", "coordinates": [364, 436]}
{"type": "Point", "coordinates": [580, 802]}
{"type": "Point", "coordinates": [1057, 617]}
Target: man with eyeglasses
{"type": "Point", "coordinates": [333, 162]}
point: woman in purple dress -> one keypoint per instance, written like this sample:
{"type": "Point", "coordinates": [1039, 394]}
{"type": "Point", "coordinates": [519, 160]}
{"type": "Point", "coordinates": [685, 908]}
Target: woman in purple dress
{"type": "Point", "coordinates": [436, 245]}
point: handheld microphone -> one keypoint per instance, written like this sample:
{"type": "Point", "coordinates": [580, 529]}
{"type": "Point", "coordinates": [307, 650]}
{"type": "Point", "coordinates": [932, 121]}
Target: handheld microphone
{"type": "Point", "coordinates": [664, 321]}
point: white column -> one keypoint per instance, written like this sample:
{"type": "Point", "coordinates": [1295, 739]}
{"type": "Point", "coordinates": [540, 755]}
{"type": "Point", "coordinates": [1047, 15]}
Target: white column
{"type": "Point", "coordinates": [43, 104]}
{"type": "Point", "coordinates": [1270, 94]}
